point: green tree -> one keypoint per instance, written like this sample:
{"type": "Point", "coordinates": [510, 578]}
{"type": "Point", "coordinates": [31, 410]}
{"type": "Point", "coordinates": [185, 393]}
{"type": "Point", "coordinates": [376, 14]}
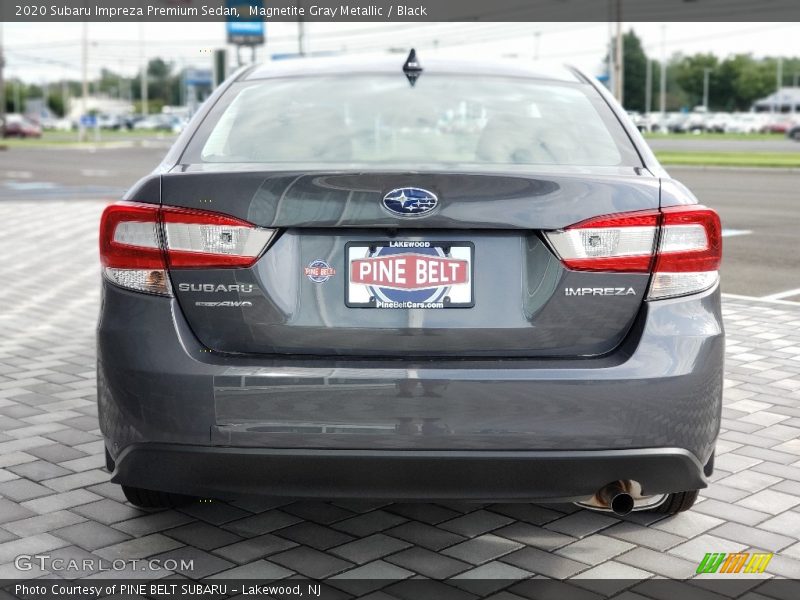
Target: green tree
{"type": "Point", "coordinates": [634, 60]}
{"type": "Point", "coordinates": [55, 102]}
{"type": "Point", "coordinates": [724, 95]}
{"type": "Point", "coordinates": [163, 85]}
{"type": "Point", "coordinates": [690, 75]}
{"type": "Point", "coordinates": [754, 80]}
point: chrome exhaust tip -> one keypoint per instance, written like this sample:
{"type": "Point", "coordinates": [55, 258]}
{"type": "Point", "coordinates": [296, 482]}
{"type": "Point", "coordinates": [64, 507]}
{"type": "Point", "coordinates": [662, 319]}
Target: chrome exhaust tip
{"type": "Point", "coordinates": [615, 497]}
{"type": "Point", "coordinates": [621, 497]}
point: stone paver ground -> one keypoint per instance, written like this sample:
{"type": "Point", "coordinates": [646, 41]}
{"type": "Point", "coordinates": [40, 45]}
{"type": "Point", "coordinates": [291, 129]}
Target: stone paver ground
{"type": "Point", "coordinates": [55, 497]}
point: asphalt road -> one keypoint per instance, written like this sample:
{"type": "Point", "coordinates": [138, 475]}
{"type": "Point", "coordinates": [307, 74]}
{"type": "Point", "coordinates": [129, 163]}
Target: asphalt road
{"type": "Point", "coordinates": [765, 203]}
{"type": "Point", "coordinates": [760, 209]}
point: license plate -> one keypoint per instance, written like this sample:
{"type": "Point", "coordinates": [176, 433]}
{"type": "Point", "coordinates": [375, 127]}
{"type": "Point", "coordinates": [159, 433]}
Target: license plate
{"type": "Point", "coordinates": [409, 274]}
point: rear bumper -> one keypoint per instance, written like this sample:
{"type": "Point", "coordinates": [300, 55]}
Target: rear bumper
{"type": "Point", "coordinates": [403, 475]}
{"type": "Point", "coordinates": [177, 417]}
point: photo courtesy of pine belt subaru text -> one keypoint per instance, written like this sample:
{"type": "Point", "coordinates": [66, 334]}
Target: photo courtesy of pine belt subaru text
{"type": "Point", "coordinates": [361, 277]}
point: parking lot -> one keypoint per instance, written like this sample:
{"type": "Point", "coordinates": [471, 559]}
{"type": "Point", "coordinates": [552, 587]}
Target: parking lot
{"type": "Point", "coordinates": [55, 497]}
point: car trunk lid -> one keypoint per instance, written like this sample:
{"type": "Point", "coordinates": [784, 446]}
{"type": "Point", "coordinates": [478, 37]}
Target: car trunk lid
{"type": "Point", "coordinates": [483, 250]}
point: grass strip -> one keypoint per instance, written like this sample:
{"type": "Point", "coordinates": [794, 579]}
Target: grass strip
{"type": "Point", "coordinates": [731, 159]}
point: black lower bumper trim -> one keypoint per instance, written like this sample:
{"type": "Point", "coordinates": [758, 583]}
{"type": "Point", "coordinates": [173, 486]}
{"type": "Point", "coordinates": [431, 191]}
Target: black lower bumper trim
{"type": "Point", "coordinates": [403, 475]}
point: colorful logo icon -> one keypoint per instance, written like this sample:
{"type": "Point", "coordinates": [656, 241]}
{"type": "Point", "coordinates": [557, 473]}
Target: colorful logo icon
{"type": "Point", "coordinates": [319, 271]}
{"type": "Point", "coordinates": [737, 562]}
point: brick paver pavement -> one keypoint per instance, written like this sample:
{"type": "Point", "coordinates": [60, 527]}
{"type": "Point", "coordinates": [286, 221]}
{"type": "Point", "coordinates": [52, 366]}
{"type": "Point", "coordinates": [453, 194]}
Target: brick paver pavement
{"type": "Point", "coordinates": [55, 497]}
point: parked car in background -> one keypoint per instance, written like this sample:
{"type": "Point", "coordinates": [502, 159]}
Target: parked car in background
{"type": "Point", "coordinates": [156, 123]}
{"type": "Point", "coordinates": [696, 122]}
{"type": "Point", "coordinates": [639, 120]}
{"type": "Point", "coordinates": [717, 122]}
{"type": "Point", "coordinates": [745, 123]}
{"type": "Point", "coordinates": [676, 122]}
{"type": "Point", "coordinates": [22, 127]}
{"type": "Point", "coordinates": [113, 122]}
{"type": "Point", "coordinates": [56, 124]}
{"type": "Point", "coordinates": [179, 124]}
{"type": "Point", "coordinates": [781, 123]}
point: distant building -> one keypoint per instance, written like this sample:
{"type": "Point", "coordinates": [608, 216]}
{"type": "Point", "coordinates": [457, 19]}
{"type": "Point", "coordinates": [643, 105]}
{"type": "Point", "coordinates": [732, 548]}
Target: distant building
{"type": "Point", "coordinates": [787, 99]}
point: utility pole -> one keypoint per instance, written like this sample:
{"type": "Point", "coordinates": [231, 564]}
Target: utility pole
{"type": "Point", "coordinates": [779, 84]}
{"type": "Point", "coordinates": [85, 80]}
{"type": "Point", "coordinates": [301, 37]}
{"type": "Point", "coordinates": [663, 96]}
{"type": "Point", "coordinates": [706, 72]}
{"type": "Point", "coordinates": [619, 69]}
{"type": "Point", "coordinates": [648, 88]}
{"type": "Point", "coordinates": [612, 86]}
{"type": "Point", "coordinates": [795, 98]}
{"type": "Point", "coordinates": [536, 37]}
{"type": "Point", "coordinates": [46, 97]}
{"type": "Point", "coordinates": [143, 76]}
{"type": "Point", "coordinates": [2, 88]}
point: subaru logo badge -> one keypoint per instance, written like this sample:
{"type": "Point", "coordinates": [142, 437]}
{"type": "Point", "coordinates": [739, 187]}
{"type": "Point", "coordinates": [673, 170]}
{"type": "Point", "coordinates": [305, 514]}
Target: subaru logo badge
{"type": "Point", "coordinates": [410, 202]}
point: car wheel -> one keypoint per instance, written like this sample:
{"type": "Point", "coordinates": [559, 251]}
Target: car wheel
{"type": "Point", "coordinates": [153, 499]}
{"type": "Point", "coordinates": [796, 135]}
{"type": "Point", "coordinates": [676, 503]}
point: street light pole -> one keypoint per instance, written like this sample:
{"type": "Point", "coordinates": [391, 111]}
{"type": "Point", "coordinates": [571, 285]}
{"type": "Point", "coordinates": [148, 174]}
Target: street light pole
{"type": "Point", "coordinates": [648, 88]}
{"type": "Point", "coordinates": [301, 37]}
{"type": "Point", "coordinates": [663, 95]}
{"type": "Point", "coordinates": [779, 84]}
{"type": "Point", "coordinates": [2, 88]}
{"type": "Point", "coordinates": [706, 72]}
{"type": "Point", "coordinates": [85, 79]}
{"type": "Point", "coordinates": [143, 76]}
{"type": "Point", "coordinates": [536, 36]}
{"type": "Point", "coordinates": [619, 70]}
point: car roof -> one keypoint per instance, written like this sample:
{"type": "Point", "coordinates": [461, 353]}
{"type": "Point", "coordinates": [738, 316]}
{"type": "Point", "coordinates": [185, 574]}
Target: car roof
{"type": "Point", "coordinates": [393, 63]}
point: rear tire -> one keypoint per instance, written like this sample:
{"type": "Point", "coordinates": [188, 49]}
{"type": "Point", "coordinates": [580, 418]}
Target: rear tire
{"type": "Point", "coordinates": [683, 501]}
{"type": "Point", "coordinates": [676, 503]}
{"type": "Point", "coordinates": [153, 499]}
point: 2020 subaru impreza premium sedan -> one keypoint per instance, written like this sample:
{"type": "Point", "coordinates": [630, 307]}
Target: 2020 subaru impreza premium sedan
{"type": "Point", "coordinates": [363, 278]}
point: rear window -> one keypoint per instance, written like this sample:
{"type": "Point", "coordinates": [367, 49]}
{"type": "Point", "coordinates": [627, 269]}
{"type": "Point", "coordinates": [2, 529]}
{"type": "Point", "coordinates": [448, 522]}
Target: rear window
{"type": "Point", "coordinates": [444, 121]}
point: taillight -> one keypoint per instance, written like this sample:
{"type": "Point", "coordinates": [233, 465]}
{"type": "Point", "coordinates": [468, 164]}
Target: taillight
{"type": "Point", "coordinates": [139, 241]}
{"type": "Point", "coordinates": [689, 252]}
{"type": "Point", "coordinates": [621, 243]}
{"type": "Point", "coordinates": [130, 248]}
{"type": "Point", "coordinates": [681, 245]}
{"type": "Point", "coordinates": [199, 239]}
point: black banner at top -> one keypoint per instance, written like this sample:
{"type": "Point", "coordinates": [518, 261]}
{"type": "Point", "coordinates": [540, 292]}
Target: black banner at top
{"type": "Point", "coordinates": [399, 10]}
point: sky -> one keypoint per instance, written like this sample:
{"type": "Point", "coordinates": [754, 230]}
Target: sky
{"type": "Point", "coordinates": [41, 52]}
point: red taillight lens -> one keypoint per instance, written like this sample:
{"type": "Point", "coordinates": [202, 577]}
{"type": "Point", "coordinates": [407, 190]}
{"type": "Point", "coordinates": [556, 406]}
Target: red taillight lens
{"type": "Point", "coordinates": [129, 237]}
{"type": "Point", "coordinates": [686, 259]}
{"type": "Point", "coordinates": [689, 252]}
{"type": "Point", "coordinates": [130, 248]}
{"type": "Point", "coordinates": [137, 241]}
{"type": "Point", "coordinates": [691, 240]}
